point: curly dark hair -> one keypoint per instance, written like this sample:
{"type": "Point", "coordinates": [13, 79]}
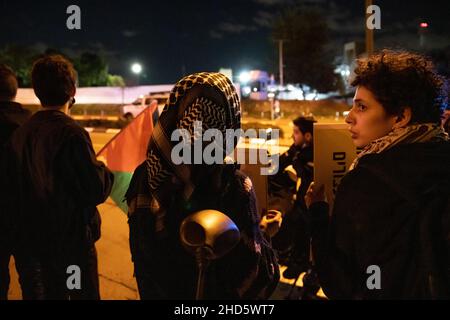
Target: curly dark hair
{"type": "Point", "coordinates": [8, 83]}
{"type": "Point", "coordinates": [400, 79]}
{"type": "Point", "coordinates": [54, 80]}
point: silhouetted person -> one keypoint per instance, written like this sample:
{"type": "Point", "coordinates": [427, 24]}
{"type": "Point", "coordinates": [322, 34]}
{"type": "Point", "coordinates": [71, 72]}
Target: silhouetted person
{"type": "Point", "coordinates": [12, 115]}
{"type": "Point", "coordinates": [59, 185]}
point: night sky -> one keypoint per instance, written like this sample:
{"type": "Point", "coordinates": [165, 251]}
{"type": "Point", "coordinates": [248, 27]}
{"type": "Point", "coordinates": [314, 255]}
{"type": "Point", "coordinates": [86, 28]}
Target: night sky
{"type": "Point", "coordinates": [173, 37]}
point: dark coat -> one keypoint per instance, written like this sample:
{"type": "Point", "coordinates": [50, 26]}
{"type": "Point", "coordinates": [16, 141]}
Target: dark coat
{"type": "Point", "coordinates": [164, 270]}
{"type": "Point", "coordinates": [54, 186]}
{"type": "Point", "coordinates": [58, 185]}
{"type": "Point", "coordinates": [377, 220]}
{"type": "Point", "coordinates": [293, 234]}
{"type": "Point", "coordinates": [282, 188]}
{"type": "Point", "coordinates": [12, 116]}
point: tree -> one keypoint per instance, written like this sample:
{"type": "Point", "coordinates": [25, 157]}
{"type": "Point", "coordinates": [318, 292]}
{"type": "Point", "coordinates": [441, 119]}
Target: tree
{"type": "Point", "coordinates": [115, 81]}
{"type": "Point", "coordinates": [306, 34]}
{"type": "Point", "coordinates": [92, 70]}
{"type": "Point", "coordinates": [20, 59]}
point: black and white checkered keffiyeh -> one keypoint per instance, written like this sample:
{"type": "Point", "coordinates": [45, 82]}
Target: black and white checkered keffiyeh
{"type": "Point", "coordinates": [216, 109]}
{"type": "Point", "coordinates": [414, 133]}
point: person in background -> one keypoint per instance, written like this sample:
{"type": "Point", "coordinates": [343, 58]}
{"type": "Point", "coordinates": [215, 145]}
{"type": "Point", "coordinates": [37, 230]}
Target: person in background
{"type": "Point", "coordinates": [12, 116]}
{"type": "Point", "coordinates": [287, 190]}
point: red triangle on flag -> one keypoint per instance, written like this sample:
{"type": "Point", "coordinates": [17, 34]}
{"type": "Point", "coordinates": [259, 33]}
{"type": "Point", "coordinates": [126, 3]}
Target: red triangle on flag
{"type": "Point", "coordinates": [128, 148]}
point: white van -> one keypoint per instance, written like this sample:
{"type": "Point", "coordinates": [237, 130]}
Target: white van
{"type": "Point", "coordinates": [131, 111]}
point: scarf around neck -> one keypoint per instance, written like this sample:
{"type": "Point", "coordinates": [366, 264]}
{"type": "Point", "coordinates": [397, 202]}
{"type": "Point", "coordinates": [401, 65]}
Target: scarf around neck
{"type": "Point", "coordinates": [416, 133]}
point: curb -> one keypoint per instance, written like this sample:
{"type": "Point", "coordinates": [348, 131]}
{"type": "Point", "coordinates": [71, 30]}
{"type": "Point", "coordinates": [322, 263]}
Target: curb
{"type": "Point", "coordinates": [101, 130]}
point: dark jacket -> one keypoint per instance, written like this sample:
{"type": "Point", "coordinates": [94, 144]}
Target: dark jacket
{"type": "Point", "coordinates": [59, 183]}
{"type": "Point", "coordinates": [378, 220]}
{"type": "Point", "coordinates": [164, 270]}
{"type": "Point", "coordinates": [293, 234]}
{"type": "Point", "coordinates": [12, 116]}
{"type": "Point", "coordinates": [282, 188]}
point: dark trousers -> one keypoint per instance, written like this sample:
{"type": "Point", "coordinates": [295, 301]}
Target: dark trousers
{"type": "Point", "coordinates": [46, 278]}
{"type": "Point", "coordinates": [148, 288]}
{"type": "Point", "coordinates": [4, 274]}
{"type": "Point", "coordinates": [292, 241]}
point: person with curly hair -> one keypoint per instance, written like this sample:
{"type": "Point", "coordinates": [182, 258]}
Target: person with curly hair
{"type": "Point", "coordinates": [388, 234]}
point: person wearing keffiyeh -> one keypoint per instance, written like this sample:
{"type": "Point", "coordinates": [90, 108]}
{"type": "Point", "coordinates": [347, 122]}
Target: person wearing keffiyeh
{"type": "Point", "coordinates": [392, 210]}
{"type": "Point", "coordinates": [162, 194]}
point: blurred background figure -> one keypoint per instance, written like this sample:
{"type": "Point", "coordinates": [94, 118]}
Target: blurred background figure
{"type": "Point", "coordinates": [287, 190]}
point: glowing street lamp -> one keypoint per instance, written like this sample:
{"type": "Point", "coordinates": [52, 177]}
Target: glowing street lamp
{"type": "Point", "coordinates": [244, 77]}
{"type": "Point", "coordinates": [136, 68]}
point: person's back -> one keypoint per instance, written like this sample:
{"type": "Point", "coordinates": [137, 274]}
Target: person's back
{"type": "Point", "coordinates": [59, 184]}
{"type": "Point", "coordinates": [55, 158]}
{"type": "Point", "coordinates": [12, 116]}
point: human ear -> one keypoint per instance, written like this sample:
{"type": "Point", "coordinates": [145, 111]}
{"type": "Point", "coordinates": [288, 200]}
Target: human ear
{"type": "Point", "coordinates": [404, 118]}
{"type": "Point", "coordinates": [308, 137]}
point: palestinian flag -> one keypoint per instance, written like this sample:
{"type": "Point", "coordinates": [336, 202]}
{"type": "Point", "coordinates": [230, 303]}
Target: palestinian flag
{"type": "Point", "coordinates": [126, 151]}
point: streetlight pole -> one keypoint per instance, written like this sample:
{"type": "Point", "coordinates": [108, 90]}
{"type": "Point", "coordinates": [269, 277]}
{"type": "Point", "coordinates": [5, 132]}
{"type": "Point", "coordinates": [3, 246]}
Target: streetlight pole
{"type": "Point", "coordinates": [280, 60]}
{"type": "Point", "coordinates": [369, 31]}
{"type": "Point", "coordinates": [422, 31]}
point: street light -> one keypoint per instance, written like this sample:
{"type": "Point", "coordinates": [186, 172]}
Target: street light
{"type": "Point", "coordinates": [136, 68]}
{"type": "Point", "coordinates": [244, 77]}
